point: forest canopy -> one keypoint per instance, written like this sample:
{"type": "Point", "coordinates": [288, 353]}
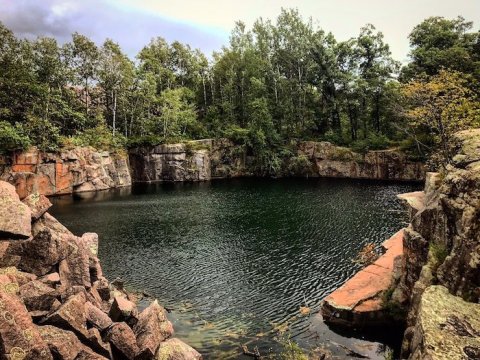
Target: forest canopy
{"type": "Point", "coordinates": [272, 85]}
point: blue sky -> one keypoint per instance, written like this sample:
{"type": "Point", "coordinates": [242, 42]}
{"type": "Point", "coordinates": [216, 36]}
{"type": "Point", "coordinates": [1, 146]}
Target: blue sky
{"type": "Point", "coordinates": [206, 24]}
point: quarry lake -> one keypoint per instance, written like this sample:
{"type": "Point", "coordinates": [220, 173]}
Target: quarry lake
{"type": "Point", "coordinates": [239, 261]}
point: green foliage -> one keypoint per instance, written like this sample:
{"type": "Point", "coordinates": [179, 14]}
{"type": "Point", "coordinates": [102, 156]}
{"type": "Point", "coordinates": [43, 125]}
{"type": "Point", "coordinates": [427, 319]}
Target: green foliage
{"type": "Point", "coordinates": [237, 134]}
{"type": "Point", "coordinates": [298, 165]}
{"type": "Point", "coordinates": [393, 309]}
{"type": "Point", "coordinates": [441, 105]}
{"type": "Point", "coordinates": [99, 137]}
{"type": "Point", "coordinates": [438, 43]}
{"type": "Point", "coordinates": [146, 140]}
{"type": "Point", "coordinates": [43, 134]}
{"type": "Point", "coordinates": [192, 146]}
{"type": "Point", "coordinates": [278, 81]}
{"type": "Point", "coordinates": [372, 142]}
{"type": "Point", "coordinates": [439, 252]}
{"type": "Point", "coordinates": [12, 138]}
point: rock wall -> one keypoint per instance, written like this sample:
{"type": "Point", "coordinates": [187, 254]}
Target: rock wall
{"type": "Point", "coordinates": [64, 172]}
{"type": "Point", "coordinates": [437, 284]}
{"type": "Point", "coordinates": [220, 158]}
{"type": "Point", "coordinates": [55, 302]}
{"type": "Point", "coordinates": [442, 243]}
{"type": "Point", "coordinates": [328, 160]}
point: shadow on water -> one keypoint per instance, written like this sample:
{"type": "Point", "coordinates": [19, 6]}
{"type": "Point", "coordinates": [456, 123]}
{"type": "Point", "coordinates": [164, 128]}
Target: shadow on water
{"type": "Point", "coordinates": [238, 259]}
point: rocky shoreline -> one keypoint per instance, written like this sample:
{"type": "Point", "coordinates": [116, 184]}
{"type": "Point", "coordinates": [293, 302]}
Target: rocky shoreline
{"type": "Point", "coordinates": [55, 302]}
{"type": "Point", "coordinates": [433, 286]}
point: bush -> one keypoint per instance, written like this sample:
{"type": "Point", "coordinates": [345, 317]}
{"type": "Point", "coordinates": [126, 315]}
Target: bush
{"type": "Point", "coordinates": [439, 253]}
{"type": "Point", "coordinates": [299, 165]}
{"type": "Point", "coordinates": [372, 142]}
{"type": "Point", "coordinates": [43, 134]}
{"type": "Point", "coordinates": [237, 134]}
{"type": "Point", "coordinates": [12, 138]}
{"type": "Point", "coordinates": [100, 137]}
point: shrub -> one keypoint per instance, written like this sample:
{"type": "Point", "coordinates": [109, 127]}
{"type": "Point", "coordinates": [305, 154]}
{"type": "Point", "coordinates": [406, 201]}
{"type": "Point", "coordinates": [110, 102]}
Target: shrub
{"type": "Point", "coordinates": [372, 142]}
{"type": "Point", "coordinates": [12, 138]}
{"type": "Point", "coordinates": [237, 134]}
{"type": "Point", "coordinates": [299, 165]}
{"type": "Point", "coordinates": [99, 137]}
{"type": "Point", "coordinates": [42, 133]}
{"type": "Point", "coordinates": [367, 255]}
{"type": "Point", "coordinates": [439, 252]}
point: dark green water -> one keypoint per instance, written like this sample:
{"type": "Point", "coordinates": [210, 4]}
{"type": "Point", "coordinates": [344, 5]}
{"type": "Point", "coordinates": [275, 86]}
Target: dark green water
{"type": "Point", "coordinates": [235, 259]}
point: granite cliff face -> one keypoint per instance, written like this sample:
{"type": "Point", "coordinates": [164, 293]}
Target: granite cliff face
{"type": "Point", "coordinates": [208, 159]}
{"type": "Point", "coordinates": [64, 172]}
{"type": "Point", "coordinates": [436, 281]}
{"type": "Point", "coordinates": [55, 302]}
{"type": "Point", "coordinates": [328, 160]}
{"type": "Point", "coordinates": [86, 169]}
{"type": "Point", "coordinates": [442, 247]}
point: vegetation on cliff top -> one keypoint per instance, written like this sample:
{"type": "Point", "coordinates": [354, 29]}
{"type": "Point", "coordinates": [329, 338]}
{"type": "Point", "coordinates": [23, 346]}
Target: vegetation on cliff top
{"type": "Point", "coordinates": [272, 84]}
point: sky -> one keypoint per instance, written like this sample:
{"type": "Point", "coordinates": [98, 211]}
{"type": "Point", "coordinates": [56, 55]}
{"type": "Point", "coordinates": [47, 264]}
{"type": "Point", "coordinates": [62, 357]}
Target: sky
{"type": "Point", "coordinates": [207, 24]}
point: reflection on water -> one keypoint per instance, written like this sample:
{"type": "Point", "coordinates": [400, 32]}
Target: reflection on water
{"type": "Point", "coordinates": [240, 260]}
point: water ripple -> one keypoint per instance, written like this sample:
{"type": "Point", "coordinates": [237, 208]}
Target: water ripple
{"type": "Point", "coordinates": [237, 258]}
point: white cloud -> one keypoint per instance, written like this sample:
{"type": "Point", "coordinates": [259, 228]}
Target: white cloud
{"type": "Point", "coordinates": [343, 17]}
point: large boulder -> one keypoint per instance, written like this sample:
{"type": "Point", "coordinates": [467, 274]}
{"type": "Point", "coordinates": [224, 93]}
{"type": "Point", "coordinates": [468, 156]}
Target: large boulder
{"type": "Point", "coordinates": [15, 217]}
{"type": "Point", "coordinates": [38, 204]}
{"type": "Point", "coordinates": [65, 345]}
{"type": "Point", "coordinates": [175, 349]}
{"type": "Point", "coordinates": [447, 327]}
{"type": "Point", "coordinates": [42, 254]}
{"type": "Point", "coordinates": [151, 329]}
{"type": "Point", "coordinates": [96, 317]}
{"type": "Point", "coordinates": [37, 296]}
{"type": "Point", "coordinates": [74, 270]}
{"type": "Point", "coordinates": [71, 316]}
{"type": "Point", "coordinates": [19, 338]}
{"type": "Point", "coordinates": [123, 310]}
{"type": "Point", "coordinates": [123, 342]}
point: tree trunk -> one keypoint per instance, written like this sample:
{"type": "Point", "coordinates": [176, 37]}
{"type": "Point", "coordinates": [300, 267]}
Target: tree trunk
{"type": "Point", "coordinates": [114, 112]}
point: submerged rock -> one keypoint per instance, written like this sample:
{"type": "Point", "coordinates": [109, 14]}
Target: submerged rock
{"type": "Point", "coordinates": [175, 349]}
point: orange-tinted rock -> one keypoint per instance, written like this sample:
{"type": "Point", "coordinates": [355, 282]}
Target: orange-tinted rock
{"type": "Point", "coordinates": [71, 316]}
{"type": "Point", "coordinates": [65, 345]}
{"type": "Point", "coordinates": [123, 310]}
{"type": "Point", "coordinates": [123, 342]}
{"type": "Point", "coordinates": [96, 343]}
{"type": "Point", "coordinates": [151, 329]}
{"type": "Point", "coordinates": [51, 279]}
{"type": "Point", "coordinates": [67, 171]}
{"type": "Point", "coordinates": [23, 168]}
{"type": "Point", "coordinates": [37, 296]}
{"type": "Point", "coordinates": [41, 254]}
{"type": "Point", "coordinates": [358, 302]}
{"type": "Point", "coordinates": [19, 337]}
{"type": "Point", "coordinates": [74, 270]}
{"type": "Point", "coordinates": [96, 317]}
{"type": "Point", "coordinates": [15, 217]}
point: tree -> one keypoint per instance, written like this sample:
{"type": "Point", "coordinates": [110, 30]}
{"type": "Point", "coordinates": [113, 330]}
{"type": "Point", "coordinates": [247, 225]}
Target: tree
{"type": "Point", "coordinates": [441, 105]}
{"type": "Point", "coordinates": [116, 74]}
{"type": "Point", "coordinates": [84, 57]}
{"type": "Point", "coordinates": [176, 114]}
{"type": "Point", "coordinates": [443, 43]}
